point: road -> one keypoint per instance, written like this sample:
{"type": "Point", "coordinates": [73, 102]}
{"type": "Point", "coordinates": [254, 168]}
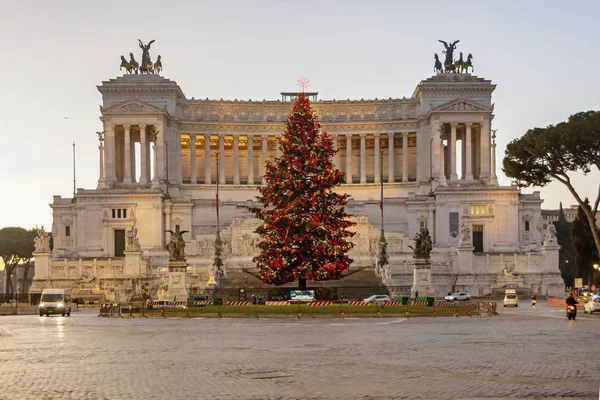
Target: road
{"type": "Point", "coordinates": [522, 353]}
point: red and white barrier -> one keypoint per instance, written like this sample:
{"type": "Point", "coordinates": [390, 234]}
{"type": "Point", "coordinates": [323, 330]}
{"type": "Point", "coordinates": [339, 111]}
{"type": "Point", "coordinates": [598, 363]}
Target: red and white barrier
{"type": "Point", "coordinates": [392, 303]}
{"type": "Point", "coordinates": [237, 303]}
{"type": "Point", "coordinates": [277, 303]}
{"type": "Point", "coordinates": [319, 303]}
{"type": "Point", "coordinates": [358, 303]}
{"type": "Point", "coordinates": [204, 303]}
{"type": "Point", "coordinates": [419, 303]}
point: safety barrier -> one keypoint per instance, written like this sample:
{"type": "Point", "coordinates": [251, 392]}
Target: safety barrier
{"type": "Point", "coordinates": [277, 303]}
{"type": "Point", "coordinates": [204, 303]}
{"type": "Point", "coordinates": [358, 303]}
{"type": "Point", "coordinates": [392, 303]}
{"type": "Point", "coordinates": [419, 303]}
{"type": "Point", "coordinates": [110, 310]}
{"type": "Point", "coordinates": [319, 303]}
{"type": "Point", "coordinates": [237, 303]}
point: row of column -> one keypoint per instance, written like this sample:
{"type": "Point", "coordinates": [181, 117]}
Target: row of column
{"type": "Point", "coordinates": [349, 177]}
{"type": "Point", "coordinates": [483, 152]}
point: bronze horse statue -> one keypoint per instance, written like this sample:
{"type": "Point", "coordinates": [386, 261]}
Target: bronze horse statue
{"type": "Point", "coordinates": [134, 64]}
{"type": "Point", "coordinates": [438, 65]}
{"type": "Point", "coordinates": [158, 65]}
{"type": "Point", "coordinates": [463, 66]}
{"type": "Point", "coordinates": [129, 66]}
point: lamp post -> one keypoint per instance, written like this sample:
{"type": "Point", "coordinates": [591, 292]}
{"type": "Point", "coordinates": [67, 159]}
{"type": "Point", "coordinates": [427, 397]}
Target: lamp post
{"type": "Point", "coordinates": [596, 269]}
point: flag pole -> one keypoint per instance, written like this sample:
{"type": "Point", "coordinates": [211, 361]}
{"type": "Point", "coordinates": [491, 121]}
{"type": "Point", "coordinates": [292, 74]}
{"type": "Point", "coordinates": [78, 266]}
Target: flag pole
{"type": "Point", "coordinates": [74, 181]}
{"type": "Point", "coordinates": [217, 194]}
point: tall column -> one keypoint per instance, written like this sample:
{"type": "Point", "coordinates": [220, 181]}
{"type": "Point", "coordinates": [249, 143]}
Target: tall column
{"type": "Point", "coordinates": [263, 160]}
{"type": "Point", "coordinates": [442, 161]}
{"type": "Point", "coordinates": [363, 158]}
{"type": "Point", "coordinates": [155, 172]}
{"type": "Point", "coordinates": [236, 160]}
{"type": "Point", "coordinates": [336, 156]}
{"type": "Point", "coordinates": [349, 158]}
{"type": "Point", "coordinates": [277, 147]}
{"type": "Point", "coordinates": [377, 164]}
{"type": "Point", "coordinates": [452, 147]}
{"type": "Point", "coordinates": [404, 157]}
{"type": "Point", "coordinates": [132, 159]}
{"type": "Point", "coordinates": [494, 178]}
{"type": "Point", "coordinates": [207, 176]}
{"type": "Point", "coordinates": [250, 160]}
{"type": "Point", "coordinates": [127, 152]}
{"type": "Point", "coordinates": [101, 182]}
{"type": "Point", "coordinates": [485, 149]}
{"type": "Point", "coordinates": [143, 154]}
{"type": "Point", "coordinates": [468, 156]}
{"type": "Point", "coordinates": [193, 174]}
{"type": "Point", "coordinates": [391, 178]}
{"type": "Point", "coordinates": [222, 159]}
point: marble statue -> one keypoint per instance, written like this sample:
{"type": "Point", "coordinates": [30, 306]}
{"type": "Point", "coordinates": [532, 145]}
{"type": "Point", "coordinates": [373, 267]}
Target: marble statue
{"type": "Point", "coordinates": [464, 236]}
{"type": "Point", "coordinates": [132, 243]}
{"type": "Point", "coordinates": [550, 235]}
{"type": "Point", "coordinates": [42, 241]}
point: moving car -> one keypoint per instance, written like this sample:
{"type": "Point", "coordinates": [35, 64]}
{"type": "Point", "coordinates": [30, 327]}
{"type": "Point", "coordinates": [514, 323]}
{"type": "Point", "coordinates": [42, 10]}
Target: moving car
{"type": "Point", "coordinates": [511, 298]}
{"type": "Point", "coordinates": [458, 296]}
{"type": "Point", "coordinates": [55, 301]}
{"type": "Point", "coordinates": [377, 298]}
{"type": "Point", "coordinates": [592, 305]}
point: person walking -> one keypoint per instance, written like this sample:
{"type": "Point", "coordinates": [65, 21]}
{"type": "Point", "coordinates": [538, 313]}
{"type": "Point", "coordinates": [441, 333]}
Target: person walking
{"type": "Point", "coordinates": [416, 294]}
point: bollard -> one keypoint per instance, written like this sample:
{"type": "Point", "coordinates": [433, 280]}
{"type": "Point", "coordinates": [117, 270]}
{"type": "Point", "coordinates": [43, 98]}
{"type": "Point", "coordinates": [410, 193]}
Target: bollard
{"type": "Point", "coordinates": [434, 316]}
{"type": "Point", "coordinates": [187, 311]}
{"type": "Point", "coordinates": [406, 312]}
{"type": "Point", "coordinates": [456, 312]}
{"type": "Point", "coordinates": [470, 311]}
{"type": "Point", "coordinates": [341, 313]}
{"type": "Point", "coordinates": [299, 314]}
{"type": "Point", "coordinates": [143, 311]}
{"type": "Point", "coordinates": [378, 312]}
{"type": "Point", "coordinates": [162, 313]}
{"type": "Point", "coordinates": [111, 310]}
{"type": "Point", "coordinates": [130, 311]}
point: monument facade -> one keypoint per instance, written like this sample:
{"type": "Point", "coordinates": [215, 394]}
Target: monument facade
{"type": "Point", "coordinates": [434, 152]}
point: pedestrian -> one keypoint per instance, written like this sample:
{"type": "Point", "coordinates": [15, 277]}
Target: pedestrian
{"type": "Point", "coordinates": [546, 294]}
{"type": "Point", "coordinates": [416, 294]}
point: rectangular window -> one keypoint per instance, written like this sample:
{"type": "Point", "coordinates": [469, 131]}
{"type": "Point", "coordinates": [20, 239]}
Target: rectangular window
{"type": "Point", "coordinates": [124, 213]}
{"type": "Point", "coordinates": [114, 213]}
{"type": "Point", "coordinates": [453, 222]}
{"type": "Point", "coordinates": [119, 213]}
{"type": "Point", "coordinates": [526, 226]}
{"type": "Point", "coordinates": [478, 210]}
{"type": "Point", "coordinates": [67, 231]}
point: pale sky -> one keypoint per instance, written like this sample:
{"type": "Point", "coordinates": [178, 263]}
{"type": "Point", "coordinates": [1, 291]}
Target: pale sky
{"type": "Point", "coordinates": [543, 55]}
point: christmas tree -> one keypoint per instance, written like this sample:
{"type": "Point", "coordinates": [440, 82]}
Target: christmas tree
{"type": "Point", "coordinates": [305, 228]}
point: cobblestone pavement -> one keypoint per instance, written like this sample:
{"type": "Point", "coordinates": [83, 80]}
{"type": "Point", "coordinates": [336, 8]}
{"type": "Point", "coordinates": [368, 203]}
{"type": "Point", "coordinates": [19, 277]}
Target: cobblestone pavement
{"type": "Point", "coordinates": [523, 353]}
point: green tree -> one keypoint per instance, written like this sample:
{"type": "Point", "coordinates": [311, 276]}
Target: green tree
{"type": "Point", "coordinates": [305, 229]}
{"type": "Point", "coordinates": [586, 254]}
{"type": "Point", "coordinates": [546, 154]}
{"type": "Point", "coordinates": [16, 247]}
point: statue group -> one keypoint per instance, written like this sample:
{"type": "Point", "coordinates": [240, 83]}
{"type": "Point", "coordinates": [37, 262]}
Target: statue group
{"type": "Point", "coordinates": [176, 247]}
{"type": "Point", "coordinates": [423, 244]}
{"type": "Point", "coordinates": [146, 67]}
{"type": "Point", "coordinates": [450, 65]}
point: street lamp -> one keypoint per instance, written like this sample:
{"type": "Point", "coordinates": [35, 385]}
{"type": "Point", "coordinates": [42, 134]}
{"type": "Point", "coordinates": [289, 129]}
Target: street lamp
{"type": "Point", "coordinates": [596, 269]}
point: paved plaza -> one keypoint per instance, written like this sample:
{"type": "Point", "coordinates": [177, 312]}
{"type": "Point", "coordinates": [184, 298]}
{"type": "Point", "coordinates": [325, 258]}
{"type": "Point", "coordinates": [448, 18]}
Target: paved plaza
{"type": "Point", "coordinates": [523, 353]}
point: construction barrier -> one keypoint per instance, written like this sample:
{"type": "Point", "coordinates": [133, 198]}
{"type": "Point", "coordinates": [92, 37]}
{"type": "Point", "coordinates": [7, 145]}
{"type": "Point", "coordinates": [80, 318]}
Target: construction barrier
{"type": "Point", "coordinates": [204, 303]}
{"type": "Point", "coordinates": [358, 303]}
{"type": "Point", "coordinates": [319, 303]}
{"type": "Point", "coordinates": [419, 303]}
{"type": "Point", "coordinates": [277, 303]}
{"type": "Point", "coordinates": [392, 303]}
{"type": "Point", "coordinates": [237, 303]}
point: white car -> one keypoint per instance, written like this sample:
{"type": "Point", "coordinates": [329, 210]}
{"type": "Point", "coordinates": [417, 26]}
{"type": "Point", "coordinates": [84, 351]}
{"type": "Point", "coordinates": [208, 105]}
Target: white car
{"type": "Point", "coordinates": [511, 299]}
{"type": "Point", "coordinates": [593, 305]}
{"type": "Point", "coordinates": [377, 298]}
{"type": "Point", "coordinates": [458, 296]}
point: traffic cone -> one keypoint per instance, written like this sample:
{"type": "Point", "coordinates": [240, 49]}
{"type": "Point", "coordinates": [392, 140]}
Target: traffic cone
{"type": "Point", "coordinates": [187, 311]}
{"type": "Point", "coordinates": [299, 314]}
{"type": "Point", "coordinates": [406, 312]}
{"type": "Point", "coordinates": [378, 312]}
{"type": "Point", "coordinates": [469, 312]}
{"type": "Point", "coordinates": [341, 313]}
{"type": "Point", "coordinates": [456, 313]}
{"type": "Point", "coordinates": [434, 313]}
{"type": "Point", "coordinates": [162, 313]}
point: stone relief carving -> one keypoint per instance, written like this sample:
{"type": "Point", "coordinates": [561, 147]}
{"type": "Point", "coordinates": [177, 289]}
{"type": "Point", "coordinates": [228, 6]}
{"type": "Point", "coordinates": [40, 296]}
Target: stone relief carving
{"type": "Point", "coordinates": [464, 236]}
{"type": "Point", "coordinates": [462, 106]}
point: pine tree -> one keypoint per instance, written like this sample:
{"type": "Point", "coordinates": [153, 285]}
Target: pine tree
{"type": "Point", "coordinates": [584, 246]}
{"type": "Point", "coordinates": [565, 254]}
{"type": "Point", "coordinates": [305, 228]}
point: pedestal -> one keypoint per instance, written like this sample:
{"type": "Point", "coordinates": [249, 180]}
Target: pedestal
{"type": "Point", "coordinates": [133, 264]}
{"type": "Point", "coordinates": [422, 279]}
{"type": "Point", "coordinates": [466, 259]}
{"type": "Point", "coordinates": [177, 289]}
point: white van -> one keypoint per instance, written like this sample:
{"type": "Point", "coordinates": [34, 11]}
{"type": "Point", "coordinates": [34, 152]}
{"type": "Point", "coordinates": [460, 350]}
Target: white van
{"type": "Point", "coordinates": [511, 298]}
{"type": "Point", "coordinates": [55, 301]}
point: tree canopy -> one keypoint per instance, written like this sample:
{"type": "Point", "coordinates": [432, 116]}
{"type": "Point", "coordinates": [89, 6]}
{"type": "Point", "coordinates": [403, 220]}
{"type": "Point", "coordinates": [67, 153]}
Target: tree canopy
{"type": "Point", "coordinates": [16, 247]}
{"type": "Point", "coordinates": [586, 254]}
{"type": "Point", "coordinates": [546, 154]}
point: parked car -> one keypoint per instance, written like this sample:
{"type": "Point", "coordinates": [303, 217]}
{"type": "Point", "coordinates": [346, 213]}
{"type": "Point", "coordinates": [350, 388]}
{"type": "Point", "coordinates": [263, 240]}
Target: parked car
{"type": "Point", "coordinates": [511, 298]}
{"type": "Point", "coordinates": [592, 305]}
{"type": "Point", "coordinates": [458, 296]}
{"type": "Point", "coordinates": [377, 298]}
